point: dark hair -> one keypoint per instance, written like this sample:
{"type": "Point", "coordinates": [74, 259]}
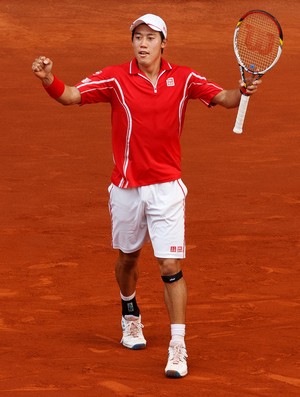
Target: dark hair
{"type": "Point", "coordinates": [161, 35]}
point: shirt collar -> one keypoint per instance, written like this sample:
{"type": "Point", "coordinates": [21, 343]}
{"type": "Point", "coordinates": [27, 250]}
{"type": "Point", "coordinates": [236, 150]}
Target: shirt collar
{"type": "Point", "coordinates": [134, 69]}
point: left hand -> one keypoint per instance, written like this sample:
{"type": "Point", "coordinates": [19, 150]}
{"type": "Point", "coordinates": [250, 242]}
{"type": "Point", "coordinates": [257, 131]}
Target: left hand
{"type": "Point", "coordinates": [251, 85]}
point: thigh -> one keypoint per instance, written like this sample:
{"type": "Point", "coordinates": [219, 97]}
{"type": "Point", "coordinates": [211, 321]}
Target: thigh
{"type": "Point", "coordinates": [166, 219]}
{"type": "Point", "coordinates": [129, 225]}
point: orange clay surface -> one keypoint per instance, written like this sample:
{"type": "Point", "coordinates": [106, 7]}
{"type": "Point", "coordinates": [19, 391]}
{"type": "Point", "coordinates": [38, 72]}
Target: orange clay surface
{"type": "Point", "coordinates": [60, 306]}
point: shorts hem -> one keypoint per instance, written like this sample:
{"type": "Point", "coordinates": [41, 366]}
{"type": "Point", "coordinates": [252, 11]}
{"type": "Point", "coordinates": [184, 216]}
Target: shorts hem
{"type": "Point", "coordinates": [170, 255]}
{"type": "Point", "coordinates": [127, 251]}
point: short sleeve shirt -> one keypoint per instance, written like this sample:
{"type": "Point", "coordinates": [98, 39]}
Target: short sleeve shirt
{"type": "Point", "coordinates": [147, 118]}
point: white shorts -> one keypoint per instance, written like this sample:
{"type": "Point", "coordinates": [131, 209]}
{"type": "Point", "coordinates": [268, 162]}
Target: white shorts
{"type": "Point", "coordinates": [156, 212]}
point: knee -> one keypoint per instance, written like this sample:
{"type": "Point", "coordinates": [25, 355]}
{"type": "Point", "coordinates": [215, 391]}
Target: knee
{"type": "Point", "coordinates": [128, 260]}
{"type": "Point", "coordinates": [169, 266]}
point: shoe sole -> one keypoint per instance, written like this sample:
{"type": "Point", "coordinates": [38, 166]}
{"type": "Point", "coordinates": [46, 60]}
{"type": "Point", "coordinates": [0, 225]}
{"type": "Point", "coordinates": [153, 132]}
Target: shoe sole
{"type": "Point", "coordinates": [138, 346]}
{"type": "Point", "coordinates": [175, 374]}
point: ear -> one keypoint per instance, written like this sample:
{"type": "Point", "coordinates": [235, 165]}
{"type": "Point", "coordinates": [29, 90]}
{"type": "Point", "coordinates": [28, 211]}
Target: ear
{"type": "Point", "coordinates": [163, 43]}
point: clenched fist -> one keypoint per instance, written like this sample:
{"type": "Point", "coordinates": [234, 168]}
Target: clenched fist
{"type": "Point", "coordinates": [42, 67]}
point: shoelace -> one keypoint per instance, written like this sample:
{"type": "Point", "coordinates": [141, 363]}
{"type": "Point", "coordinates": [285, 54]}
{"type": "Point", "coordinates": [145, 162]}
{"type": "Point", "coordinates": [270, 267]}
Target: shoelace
{"type": "Point", "coordinates": [133, 328]}
{"type": "Point", "coordinates": [178, 354]}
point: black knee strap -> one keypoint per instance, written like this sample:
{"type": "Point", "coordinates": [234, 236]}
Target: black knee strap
{"type": "Point", "coordinates": [173, 278]}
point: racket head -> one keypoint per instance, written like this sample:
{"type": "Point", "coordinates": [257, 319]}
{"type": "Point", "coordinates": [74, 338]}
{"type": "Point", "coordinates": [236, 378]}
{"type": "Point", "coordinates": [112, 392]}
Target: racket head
{"type": "Point", "coordinates": [257, 41]}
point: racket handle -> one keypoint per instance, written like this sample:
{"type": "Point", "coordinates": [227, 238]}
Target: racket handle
{"type": "Point", "coordinates": [238, 128]}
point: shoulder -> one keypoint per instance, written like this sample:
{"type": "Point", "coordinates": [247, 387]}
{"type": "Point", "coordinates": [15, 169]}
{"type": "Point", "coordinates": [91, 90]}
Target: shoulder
{"type": "Point", "coordinates": [112, 71]}
{"type": "Point", "coordinates": [185, 71]}
{"type": "Point", "coordinates": [179, 68]}
{"type": "Point", "coordinates": [117, 68]}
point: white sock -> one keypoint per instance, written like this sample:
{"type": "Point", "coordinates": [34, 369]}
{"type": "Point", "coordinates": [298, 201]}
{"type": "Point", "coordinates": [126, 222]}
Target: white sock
{"type": "Point", "coordinates": [178, 333]}
{"type": "Point", "coordinates": [127, 298]}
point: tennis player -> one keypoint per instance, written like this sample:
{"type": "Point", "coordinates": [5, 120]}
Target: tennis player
{"type": "Point", "coordinates": [148, 97]}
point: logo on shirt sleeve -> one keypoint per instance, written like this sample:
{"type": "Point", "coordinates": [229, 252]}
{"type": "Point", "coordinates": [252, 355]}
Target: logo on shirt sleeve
{"type": "Point", "coordinates": [170, 82]}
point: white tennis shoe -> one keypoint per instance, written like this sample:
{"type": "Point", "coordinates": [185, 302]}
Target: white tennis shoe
{"type": "Point", "coordinates": [177, 361]}
{"type": "Point", "coordinates": [133, 337]}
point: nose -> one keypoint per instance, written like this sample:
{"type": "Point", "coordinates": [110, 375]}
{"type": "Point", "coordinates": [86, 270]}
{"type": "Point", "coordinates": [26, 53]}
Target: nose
{"type": "Point", "coordinates": [143, 42]}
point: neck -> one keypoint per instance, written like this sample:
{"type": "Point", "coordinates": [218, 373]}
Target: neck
{"type": "Point", "coordinates": [152, 70]}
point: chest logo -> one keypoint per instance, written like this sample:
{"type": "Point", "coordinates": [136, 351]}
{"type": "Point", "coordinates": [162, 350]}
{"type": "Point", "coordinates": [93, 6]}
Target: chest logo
{"type": "Point", "coordinates": [170, 82]}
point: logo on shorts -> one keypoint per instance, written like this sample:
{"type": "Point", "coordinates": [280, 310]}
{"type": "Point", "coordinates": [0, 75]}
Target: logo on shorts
{"type": "Point", "coordinates": [170, 82]}
{"type": "Point", "coordinates": [173, 248]}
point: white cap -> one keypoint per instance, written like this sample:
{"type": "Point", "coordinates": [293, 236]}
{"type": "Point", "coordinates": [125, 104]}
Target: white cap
{"type": "Point", "coordinates": [153, 21]}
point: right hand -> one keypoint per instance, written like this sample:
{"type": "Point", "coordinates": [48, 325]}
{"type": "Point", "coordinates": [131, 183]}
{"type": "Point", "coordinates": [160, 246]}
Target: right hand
{"type": "Point", "coordinates": [42, 68]}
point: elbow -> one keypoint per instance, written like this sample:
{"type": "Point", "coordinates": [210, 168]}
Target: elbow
{"type": "Point", "coordinates": [66, 101]}
{"type": "Point", "coordinates": [71, 96]}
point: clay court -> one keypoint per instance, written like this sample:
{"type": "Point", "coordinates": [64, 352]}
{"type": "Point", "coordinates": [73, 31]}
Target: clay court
{"type": "Point", "coordinates": [60, 308]}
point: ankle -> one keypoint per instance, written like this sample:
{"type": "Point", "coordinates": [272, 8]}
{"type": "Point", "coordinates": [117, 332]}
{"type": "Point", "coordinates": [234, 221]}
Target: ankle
{"type": "Point", "coordinates": [129, 306]}
{"type": "Point", "coordinates": [178, 334]}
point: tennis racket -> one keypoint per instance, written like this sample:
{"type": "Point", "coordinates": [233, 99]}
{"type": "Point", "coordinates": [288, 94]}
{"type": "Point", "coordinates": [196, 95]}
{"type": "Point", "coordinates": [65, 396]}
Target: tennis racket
{"type": "Point", "coordinates": [257, 43]}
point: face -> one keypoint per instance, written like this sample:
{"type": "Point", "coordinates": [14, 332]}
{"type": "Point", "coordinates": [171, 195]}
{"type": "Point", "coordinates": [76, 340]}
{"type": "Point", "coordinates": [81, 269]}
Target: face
{"type": "Point", "coordinates": [147, 45]}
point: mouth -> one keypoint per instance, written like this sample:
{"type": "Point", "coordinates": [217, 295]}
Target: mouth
{"type": "Point", "coordinates": [143, 53]}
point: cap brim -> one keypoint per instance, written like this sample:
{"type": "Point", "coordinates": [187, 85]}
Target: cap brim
{"type": "Point", "coordinates": [140, 22]}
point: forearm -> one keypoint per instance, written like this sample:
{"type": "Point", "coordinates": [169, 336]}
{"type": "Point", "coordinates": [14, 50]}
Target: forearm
{"type": "Point", "coordinates": [228, 98]}
{"type": "Point", "coordinates": [231, 98]}
{"type": "Point", "coordinates": [57, 89]}
{"type": "Point", "coordinates": [62, 93]}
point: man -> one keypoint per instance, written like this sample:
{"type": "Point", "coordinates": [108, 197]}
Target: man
{"type": "Point", "coordinates": [148, 97]}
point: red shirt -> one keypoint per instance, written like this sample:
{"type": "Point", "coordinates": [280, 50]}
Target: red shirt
{"type": "Point", "coordinates": [147, 120]}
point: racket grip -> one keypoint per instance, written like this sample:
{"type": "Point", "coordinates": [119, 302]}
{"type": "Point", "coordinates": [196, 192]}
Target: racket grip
{"type": "Point", "coordinates": [238, 128]}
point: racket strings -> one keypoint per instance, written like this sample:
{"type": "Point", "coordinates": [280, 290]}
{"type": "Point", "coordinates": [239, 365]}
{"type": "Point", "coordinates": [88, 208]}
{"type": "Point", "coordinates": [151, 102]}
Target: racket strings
{"type": "Point", "coordinates": [258, 42]}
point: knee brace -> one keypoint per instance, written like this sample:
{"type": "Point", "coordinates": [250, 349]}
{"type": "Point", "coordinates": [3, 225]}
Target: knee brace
{"type": "Point", "coordinates": [173, 278]}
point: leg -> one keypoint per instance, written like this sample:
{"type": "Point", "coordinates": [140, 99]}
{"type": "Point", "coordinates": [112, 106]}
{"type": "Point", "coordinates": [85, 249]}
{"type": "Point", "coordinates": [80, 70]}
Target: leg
{"type": "Point", "coordinates": [129, 233]}
{"type": "Point", "coordinates": [165, 216]}
{"type": "Point", "coordinates": [175, 292]}
{"type": "Point", "coordinates": [126, 271]}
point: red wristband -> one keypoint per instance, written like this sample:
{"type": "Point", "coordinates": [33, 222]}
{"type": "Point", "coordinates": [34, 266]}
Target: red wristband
{"type": "Point", "coordinates": [56, 88]}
